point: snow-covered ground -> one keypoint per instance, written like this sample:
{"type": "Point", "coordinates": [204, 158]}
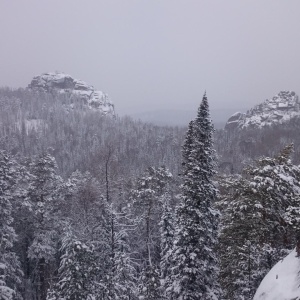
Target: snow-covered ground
{"type": "Point", "coordinates": [282, 282]}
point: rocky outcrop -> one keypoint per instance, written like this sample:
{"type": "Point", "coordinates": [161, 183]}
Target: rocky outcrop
{"type": "Point", "coordinates": [63, 83]}
{"type": "Point", "coordinates": [234, 121]}
{"type": "Point", "coordinates": [280, 109]}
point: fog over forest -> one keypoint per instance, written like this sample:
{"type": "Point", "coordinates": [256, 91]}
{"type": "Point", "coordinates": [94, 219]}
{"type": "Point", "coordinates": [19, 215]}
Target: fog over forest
{"type": "Point", "coordinates": [149, 150]}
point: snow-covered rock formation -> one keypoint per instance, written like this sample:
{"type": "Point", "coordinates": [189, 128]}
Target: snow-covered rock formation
{"type": "Point", "coordinates": [282, 282]}
{"type": "Point", "coordinates": [280, 109]}
{"type": "Point", "coordinates": [63, 83]}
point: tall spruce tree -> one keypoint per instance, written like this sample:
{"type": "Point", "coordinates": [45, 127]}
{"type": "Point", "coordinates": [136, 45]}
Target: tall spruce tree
{"type": "Point", "coordinates": [166, 243]}
{"type": "Point", "coordinates": [43, 197]}
{"type": "Point", "coordinates": [10, 269]}
{"type": "Point", "coordinates": [195, 272]}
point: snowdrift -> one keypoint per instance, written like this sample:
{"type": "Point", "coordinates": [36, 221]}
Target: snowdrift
{"type": "Point", "coordinates": [282, 282]}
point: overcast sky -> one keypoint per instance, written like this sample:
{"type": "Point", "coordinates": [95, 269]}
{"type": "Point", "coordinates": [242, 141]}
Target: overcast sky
{"type": "Point", "coordinates": [157, 54]}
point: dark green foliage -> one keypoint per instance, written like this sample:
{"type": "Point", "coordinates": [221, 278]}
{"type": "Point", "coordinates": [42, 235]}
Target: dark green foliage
{"type": "Point", "coordinates": [255, 231]}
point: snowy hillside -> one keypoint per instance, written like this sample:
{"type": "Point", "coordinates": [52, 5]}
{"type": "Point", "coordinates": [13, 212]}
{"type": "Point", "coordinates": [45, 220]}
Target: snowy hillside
{"type": "Point", "coordinates": [280, 109]}
{"type": "Point", "coordinates": [63, 83]}
{"type": "Point", "coordinates": [282, 282]}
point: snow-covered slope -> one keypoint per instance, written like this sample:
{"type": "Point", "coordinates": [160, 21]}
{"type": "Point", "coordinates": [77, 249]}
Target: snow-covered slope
{"type": "Point", "coordinates": [280, 109]}
{"type": "Point", "coordinates": [63, 83]}
{"type": "Point", "coordinates": [282, 282]}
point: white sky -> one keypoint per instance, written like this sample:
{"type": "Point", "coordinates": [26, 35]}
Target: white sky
{"type": "Point", "coordinates": [157, 54]}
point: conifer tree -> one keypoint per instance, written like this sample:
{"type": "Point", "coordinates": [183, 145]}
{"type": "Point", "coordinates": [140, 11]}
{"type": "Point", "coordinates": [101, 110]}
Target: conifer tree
{"type": "Point", "coordinates": [240, 256]}
{"type": "Point", "coordinates": [121, 280]}
{"type": "Point", "coordinates": [150, 288]}
{"type": "Point", "coordinates": [77, 271]}
{"type": "Point", "coordinates": [44, 196]}
{"type": "Point", "coordinates": [258, 226]}
{"type": "Point", "coordinates": [10, 269]}
{"type": "Point", "coordinates": [147, 207]}
{"type": "Point", "coordinates": [195, 272]}
{"type": "Point", "coordinates": [167, 239]}
{"type": "Point", "coordinates": [125, 286]}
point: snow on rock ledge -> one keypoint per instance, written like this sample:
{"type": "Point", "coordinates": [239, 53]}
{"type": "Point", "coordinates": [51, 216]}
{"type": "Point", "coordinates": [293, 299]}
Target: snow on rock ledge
{"type": "Point", "coordinates": [280, 109]}
{"type": "Point", "coordinates": [282, 282]}
{"type": "Point", "coordinates": [234, 120]}
{"type": "Point", "coordinates": [63, 83]}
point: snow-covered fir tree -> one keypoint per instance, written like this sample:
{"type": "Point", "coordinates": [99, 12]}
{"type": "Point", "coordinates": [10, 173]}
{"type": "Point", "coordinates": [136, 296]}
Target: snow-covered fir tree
{"type": "Point", "coordinates": [167, 240]}
{"type": "Point", "coordinates": [150, 287]}
{"type": "Point", "coordinates": [147, 208]}
{"type": "Point", "coordinates": [240, 256]}
{"type": "Point", "coordinates": [43, 199]}
{"type": "Point", "coordinates": [125, 277]}
{"type": "Point", "coordinates": [10, 269]}
{"type": "Point", "coordinates": [257, 222]}
{"type": "Point", "coordinates": [122, 276]}
{"type": "Point", "coordinates": [77, 272]}
{"type": "Point", "coordinates": [195, 271]}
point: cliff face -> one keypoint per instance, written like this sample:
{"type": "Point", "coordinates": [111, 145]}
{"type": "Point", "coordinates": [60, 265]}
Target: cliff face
{"type": "Point", "coordinates": [277, 110]}
{"type": "Point", "coordinates": [63, 83]}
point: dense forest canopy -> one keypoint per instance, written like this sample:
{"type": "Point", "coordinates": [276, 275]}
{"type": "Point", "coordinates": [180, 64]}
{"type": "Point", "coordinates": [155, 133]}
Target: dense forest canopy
{"type": "Point", "coordinates": [105, 207]}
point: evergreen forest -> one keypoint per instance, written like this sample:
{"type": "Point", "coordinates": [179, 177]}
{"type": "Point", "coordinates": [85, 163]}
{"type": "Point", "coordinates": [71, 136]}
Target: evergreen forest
{"type": "Point", "coordinates": [97, 207]}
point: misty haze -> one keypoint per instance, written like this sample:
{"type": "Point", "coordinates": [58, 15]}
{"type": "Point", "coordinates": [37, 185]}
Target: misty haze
{"type": "Point", "coordinates": [149, 150]}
